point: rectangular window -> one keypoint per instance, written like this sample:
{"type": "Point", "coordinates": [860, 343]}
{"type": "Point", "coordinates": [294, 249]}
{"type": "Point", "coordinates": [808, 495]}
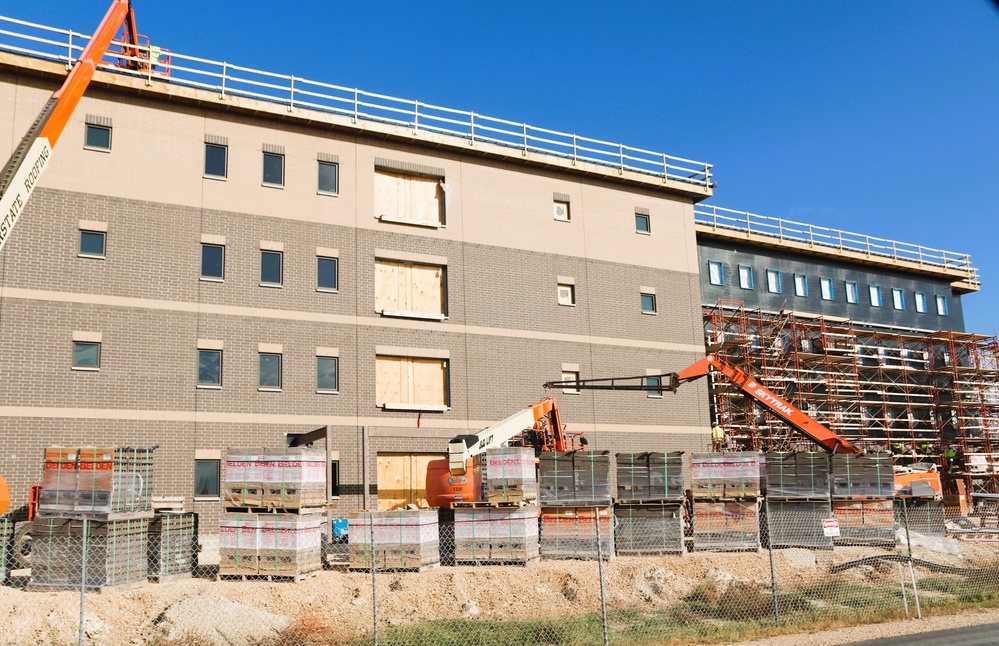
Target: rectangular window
{"type": "Point", "coordinates": [410, 290]}
{"type": "Point", "coordinates": [921, 302]}
{"type": "Point", "coordinates": [327, 274]}
{"type": "Point", "coordinates": [566, 294]}
{"type": "Point", "coordinates": [98, 138]}
{"type": "Point", "coordinates": [216, 161]}
{"type": "Point", "coordinates": [561, 211]}
{"type": "Point", "coordinates": [92, 244]}
{"type": "Point", "coordinates": [409, 199]}
{"type": "Point", "coordinates": [570, 375]}
{"type": "Point", "coordinates": [648, 303]}
{"type": "Point", "coordinates": [745, 277]}
{"type": "Point", "coordinates": [800, 285]}
{"type": "Point", "coordinates": [273, 169]}
{"type": "Point", "coordinates": [206, 478]}
{"type": "Point", "coordinates": [212, 261]}
{"type": "Point", "coordinates": [270, 268]}
{"type": "Point", "coordinates": [412, 383]}
{"type": "Point", "coordinates": [643, 223]}
{"type": "Point", "coordinates": [210, 368]}
{"type": "Point", "coordinates": [329, 178]}
{"type": "Point", "coordinates": [941, 305]}
{"type": "Point", "coordinates": [270, 371]}
{"type": "Point", "coordinates": [875, 292]}
{"type": "Point", "coordinates": [826, 287]}
{"type": "Point", "coordinates": [653, 384]}
{"type": "Point", "coordinates": [334, 479]}
{"type": "Point", "coordinates": [773, 281]}
{"type": "Point", "coordinates": [852, 293]}
{"type": "Point", "coordinates": [897, 298]}
{"type": "Point", "coordinates": [86, 355]}
{"type": "Point", "coordinates": [716, 273]}
{"type": "Point", "coordinates": [327, 374]}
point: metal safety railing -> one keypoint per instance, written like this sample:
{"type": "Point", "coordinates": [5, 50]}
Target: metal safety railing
{"type": "Point", "coordinates": [717, 217]}
{"type": "Point", "coordinates": [227, 79]}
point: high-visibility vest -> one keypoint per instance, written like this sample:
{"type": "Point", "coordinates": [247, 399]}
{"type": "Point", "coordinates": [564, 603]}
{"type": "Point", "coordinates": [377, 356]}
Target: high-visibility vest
{"type": "Point", "coordinates": [718, 433]}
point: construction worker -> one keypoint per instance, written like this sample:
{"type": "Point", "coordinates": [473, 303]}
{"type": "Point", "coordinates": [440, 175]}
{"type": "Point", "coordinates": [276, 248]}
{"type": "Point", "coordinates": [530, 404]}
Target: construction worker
{"type": "Point", "coordinates": [718, 437]}
{"type": "Point", "coordinates": [949, 455]}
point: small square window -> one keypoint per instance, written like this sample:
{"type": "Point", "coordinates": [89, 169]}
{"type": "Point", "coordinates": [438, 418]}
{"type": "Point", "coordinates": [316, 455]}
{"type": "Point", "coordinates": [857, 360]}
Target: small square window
{"type": "Point", "coordinates": [648, 303]}
{"type": "Point", "coordinates": [716, 273]}
{"type": "Point", "coordinates": [206, 478]}
{"type": "Point", "coordinates": [212, 261]}
{"type": "Point", "coordinates": [216, 161]}
{"type": "Point", "coordinates": [327, 274]}
{"type": "Point", "coordinates": [273, 169]}
{"type": "Point", "coordinates": [745, 277]}
{"type": "Point", "coordinates": [327, 374]}
{"type": "Point", "coordinates": [852, 293]}
{"type": "Point", "coordinates": [653, 384]}
{"type": "Point", "coordinates": [270, 371]}
{"type": "Point", "coordinates": [561, 211]}
{"type": "Point", "coordinates": [570, 375]}
{"type": "Point", "coordinates": [329, 178]}
{"type": "Point", "coordinates": [800, 285]}
{"type": "Point", "coordinates": [270, 268]}
{"type": "Point", "coordinates": [642, 223]}
{"type": "Point", "coordinates": [826, 287]}
{"type": "Point", "coordinates": [210, 368]}
{"type": "Point", "coordinates": [897, 298]}
{"type": "Point", "coordinates": [875, 293]}
{"type": "Point", "coordinates": [773, 281]}
{"type": "Point", "coordinates": [86, 355]}
{"type": "Point", "coordinates": [92, 243]}
{"type": "Point", "coordinates": [566, 294]}
{"type": "Point", "coordinates": [921, 302]}
{"type": "Point", "coordinates": [98, 138]}
{"type": "Point", "coordinates": [941, 305]}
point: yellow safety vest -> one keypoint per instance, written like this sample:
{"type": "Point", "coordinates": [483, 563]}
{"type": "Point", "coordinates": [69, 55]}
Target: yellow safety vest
{"type": "Point", "coordinates": [718, 434]}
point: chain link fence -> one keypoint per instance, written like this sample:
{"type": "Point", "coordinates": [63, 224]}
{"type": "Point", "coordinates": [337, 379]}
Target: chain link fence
{"type": "Point", "coordinates": [630, 574]}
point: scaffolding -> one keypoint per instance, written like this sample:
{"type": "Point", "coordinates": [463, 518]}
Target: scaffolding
{"type": "Point", "coordinates": [924, 397]}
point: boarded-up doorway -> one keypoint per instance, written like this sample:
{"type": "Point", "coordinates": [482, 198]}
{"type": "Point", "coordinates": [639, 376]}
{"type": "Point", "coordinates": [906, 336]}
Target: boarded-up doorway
{"type": "Point", "coordinates": [402, 479]}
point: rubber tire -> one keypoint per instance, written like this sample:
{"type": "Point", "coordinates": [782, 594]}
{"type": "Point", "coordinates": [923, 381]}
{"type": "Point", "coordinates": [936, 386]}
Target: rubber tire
{"type": "Point", "coordinates": [21, 546]}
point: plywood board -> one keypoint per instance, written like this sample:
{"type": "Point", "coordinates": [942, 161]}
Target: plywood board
{"type": "Point", "coordinates": [407, 197]}
{"type": "Point", "coordinates": [389, 277]}
{"type": "Point", "coordinates": [429, 381]}
{"type": "Point", "coordinates": [391, 380]}
{"type": "Point", "coordinates": [402, 479]}
{"type": "Point", "coordinates": [426, 289]}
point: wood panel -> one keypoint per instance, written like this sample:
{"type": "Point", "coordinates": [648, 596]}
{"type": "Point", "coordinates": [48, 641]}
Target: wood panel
{"type": "Point", "coordinates": [402, 479]}
{"type": "Point", "coordinates": [391, 380]}
{"type": "Point", "coordinates": [426, 289]}
{"type": "Point", "coordinates": [408, 197]}
{"type": "Point", "coordinates": [428, 381]}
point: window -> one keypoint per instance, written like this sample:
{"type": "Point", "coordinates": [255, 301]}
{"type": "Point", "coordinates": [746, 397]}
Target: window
{"type": "Point", "coordinates": [745, 277]}
{"type": "Point", "coordinates": [334, 478]}
{"type": "Point", "coordinates": [897, 298]}
{"type": "Point", "coordinates": [852, 293]}
{"type": "Point", "coordinates": [92, 244]}
{"type": "Point", "coordinates": [86, 355]}
{"type": "Point", "coordinates": [273, 169]}
{"type": "Point", "coordinates": [212, 261]}
{"type": "Point", "coordinates": [270, 268]}
{"type": "Point", "coordinates": [648, 303]}
{"type": "Point", "coordinates": [716, 273]}
{"type": "Point", "coordinates": [270, 371]}
{"type": "Point", "coordinates": [210, 368]}
{"type": "Point", "coordinates": [653, 384]}
{"type": "Point", "coordinates": [826, 288]}
{"type": "Point", "coordinates": [921, 302]}
{"type": "Point", "coordinates": [327, 374]}
{"type": "Point", "coordinates": [216, 161]}
{"type": "Point", "coordinates": [773, 281]}
{"type": "Point", "coordinates": [643, 223]}
{"type": "Point", "coordinates": [566, 294]}
{"type": "Point", "coordinates": [409, 199]}
{"type": "Point", "coordinates": [329, 178]}
{"type": "Point", "coordinates": [98, 138]}
{"type": "Point", "coordinates": [875, 293]}
{"type": "Point", "coordinates": [206, 478]}
{"type": "Point", "coordinates": [410, 289]}
{"type": "Point", "coordinates": [412, 383]}
{"type": "Point", "coordinates": [560, 210]}
{"type": "Point", "coordinates": [570, 375]}
{"type": "Point", "coordinates": [327, 274]}
{"type": "Point", "coordinates": [941, 305]}
{"type": "Point", "coordinates": [800, 285]}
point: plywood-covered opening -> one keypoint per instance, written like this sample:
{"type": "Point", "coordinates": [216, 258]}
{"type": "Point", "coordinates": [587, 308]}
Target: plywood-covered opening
{"type": "Point", "coordinates": [411, 382]}
{"type": "Point", "coordinates": [402, 479]}
{"type": "Point", "coordinates": [405, 197]}
{"type": "Point", "coordinates": [405, 287]}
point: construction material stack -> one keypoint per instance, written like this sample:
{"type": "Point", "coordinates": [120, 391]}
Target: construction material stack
{"type": "Point", "coordinates": [863, 492]}
{"type": "Point", "coordinates": [96, 500]}
{"type": "Point", "coordinates": [6, 536]}
{"type": "Point", "coordinates": [649, 509]}
{"type": "Point", "coordinates": [173, 544]}
{"type": "Point", "coordinates": [576, 514]}
{"type": "Point", "coordinates": [726, 488]}
{"type": "Point", "coordinates": [394, 540]}
{"type": "Point", "coordinates": [798, 500]}
{"type": "Point", "coordinates": [274, 501]}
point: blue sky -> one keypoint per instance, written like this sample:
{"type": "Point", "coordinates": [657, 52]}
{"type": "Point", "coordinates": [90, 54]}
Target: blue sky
{"type": "Point", "coordinates": [876, 117]}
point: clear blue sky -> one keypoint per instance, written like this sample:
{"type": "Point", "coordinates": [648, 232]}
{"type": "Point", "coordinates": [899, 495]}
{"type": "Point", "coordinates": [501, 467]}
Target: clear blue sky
{"type": "Point", "coordinates": [876, 117]}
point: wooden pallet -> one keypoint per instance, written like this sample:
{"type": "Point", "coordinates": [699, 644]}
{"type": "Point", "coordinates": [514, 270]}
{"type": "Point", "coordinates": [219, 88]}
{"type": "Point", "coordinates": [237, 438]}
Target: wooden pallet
{"type": "Point", "coordinates": [653, 552]}
{"type": "Point", "coordinates": [533, 559]}
{"type": "Point", "coordinates": [796, 499]}
{"type": "Point", "coordinates": [75, 587]}
{"type": "Point", "coordinates": [295, 578]}
{"type": "Point", "coordinates": [272, 509]}
{"type": "Point", "coordinates": [649, 502]}
{"type": "Point", "coordinates": [576, 503]}
{"type": "Point", "coordinates": [170, 578]}
{"type": "Point", "coordinates": [486, 504]}
{"type": "Point", "coordinates": [422, 568]}
{"type": "Point", "coordinates": [100, 517]}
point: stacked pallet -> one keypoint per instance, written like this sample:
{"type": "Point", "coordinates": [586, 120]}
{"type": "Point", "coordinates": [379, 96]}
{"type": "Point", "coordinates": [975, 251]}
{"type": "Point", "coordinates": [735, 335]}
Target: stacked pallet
{"type": "Point", "coordinates": [575, 498]}
{"type": "Point", "coordinates": [393, 540]}
{"type": "Point", "coordinates": [923, 516]}
{"type": "Point", "coordinates": [509, 475]}
{"type": "Point", "coordinates": [6, 536]}
{"type": "Point", "coordinates": [649, 509]}
{"type": "Point", "coordinates": [577, 533]}
{"type": "Point", "coordinates": [290, 545]}
{"type": "Point", "coordinates": [239, 539]}
{"type": "Point", "coordinates": [863, 491]}
{"type": "Point", "coordinates": [798, 500]}
{"type": "Point", "coordinates": [278, 479]}
{"type": "Point", "coordinates": [575, 478]}
{"type": "Point", "coordinates": [116, 553]}
{"type": "Point", "coordinates": [649, 476]}
{"type": "Point", "coordinates": [496, 535]}
{"type": "Point", "coordinates": [725, 488]}
{"type": "Point", "coordinates": [99, 483]}
{"type": "Point", "coordinates": [648, 530]}
{"type": "Point", "coordinates": [173, 545]}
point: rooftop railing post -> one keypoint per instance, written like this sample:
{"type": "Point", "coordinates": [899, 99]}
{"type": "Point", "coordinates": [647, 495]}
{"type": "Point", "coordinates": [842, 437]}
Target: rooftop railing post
{"type": "Point", "coordinates": [665, 168]}
{"type": "Point", "coordinates": [868, 241]}
{"type": "Point", "coordinates": [224, 72]}
{"type": "Point", "coordinates": [69, 53]}
{"type": "Point", "coordinates": [416, 116]}
{"type": "Point", "coordinates": [356, 93]}
{"type": "Point", "coordinates": [291, 95]}
{"type": "Point", "coordinates": [471, 123]}
{"type": "Point", "coordinates": [811, 236]}
{"type": "Point", "coordinates": [749, 227]}
{"type": "Point", "coordinates": [574, 150]}
{"type": "Point", "coordinates": [894, 252]}
{"type": "Point", "coordinates": [620, 148]}
{"type": "Point", "coordinates": [525, 140]}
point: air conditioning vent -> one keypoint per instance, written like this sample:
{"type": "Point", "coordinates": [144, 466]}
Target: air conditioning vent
{"type": "Point", "coordinates": [566, 295]}
{"type": "Point", "coordinates": [562, 211]}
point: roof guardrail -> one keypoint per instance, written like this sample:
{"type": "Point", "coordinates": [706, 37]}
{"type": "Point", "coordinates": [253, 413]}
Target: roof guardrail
{"type": "Point", "coordinates": [226, 79]}
{"type": "Point", "coordinates": [718, 217]}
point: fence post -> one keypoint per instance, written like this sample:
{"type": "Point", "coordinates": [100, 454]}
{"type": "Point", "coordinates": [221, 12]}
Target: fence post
{"type": "Point", "coordinates": [83, 578]}
{"type": "Point", "coordinates": [374, 580]}
{"type": "Point", "coordinates": [912, 571]}
{"type": "Point", "coordinates": [600, 570]}
{"type": "Point", "coordinates": [773, 572]}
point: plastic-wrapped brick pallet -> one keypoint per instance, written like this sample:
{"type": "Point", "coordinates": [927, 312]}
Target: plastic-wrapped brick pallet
{"type": "Point", "coordinates": [572, 533]}
{"type": "Point", "coordinates": [289, 545]}
{"type": "Point", "coordinates": [649, 476]}
{"type": "Point", "coordinates": [489, 535]}
{"type": "Point", "coordinates": [394, 540]}
{"type": "Point", "coordinates": [96, 482]}
{"type": "Point", "coordinates": [727, 525]}
{"type": "Point", "coordinates": [116, 553]}
{"type": "Point", "coordinates": [239, 538]}
{"type": "Point", "coordinates": [863, 488]}
{"type": "Point", "coordinates": [798, 523]}
{"type": "Point", "coordinates": [575, 476]}
{"type": "Point", "coordinates": [172, 546]}
{"type": "Point", "coordinates": [6, 535]}
{"type": "Point", "coordinates": [243, 479]}
{"type": "Point", "coordinates": [648, 530]}
{"type": "Point", "coordinates": [728, 475]}
{"type": "Point", "coordinates": [509, 475]}
{"type": "Point", "coordinates": [797, 476]}
{"type": "Point", "coordinates": [868, 475]}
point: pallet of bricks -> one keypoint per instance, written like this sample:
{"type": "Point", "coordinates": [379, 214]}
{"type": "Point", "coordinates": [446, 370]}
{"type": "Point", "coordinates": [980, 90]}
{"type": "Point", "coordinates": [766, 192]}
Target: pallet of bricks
{"type": "Point", "coordinates": [502, 528]}
{"type": "Point", "coordinates": [274, 500]}
{"type": "Point", "coordinates": [96, 500]}
{"type": "Point", "coordinates": [863, 491]}
{"type": "Point", "coordinates": [648, 512]}
{"type": "Point", "coordinates": [725, 488]}
{"type": "Point", "coordinates": [393, 540]}
{"type": "Point", "coordinates": [173, 546]}
{"type": "Point", "coordinates": [797, 502]}
{"type": "Point", "coordinates": [6, 537]}
{"type": "Point", "coordinates": [576, 513]}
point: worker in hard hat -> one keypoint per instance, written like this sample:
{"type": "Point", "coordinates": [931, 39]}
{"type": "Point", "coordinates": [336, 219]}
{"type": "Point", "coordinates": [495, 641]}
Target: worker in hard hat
{"type": "Point", "coordinates": [718, 437]}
